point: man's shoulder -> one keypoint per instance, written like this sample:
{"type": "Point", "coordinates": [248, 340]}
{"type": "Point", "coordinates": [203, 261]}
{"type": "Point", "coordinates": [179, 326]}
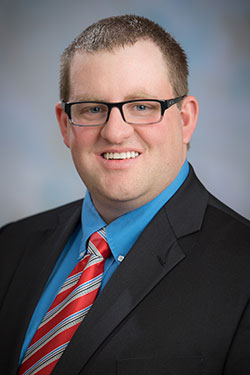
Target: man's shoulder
{"type": "Point", "coordinates": [194, 209]}
{"type": "Point", "coordinates": [46, 218]}
{"type": "Point", "coordinates": [226, 213]}
{"type": "Point", "coordinates": [27, 235]}
{"type": "Point", "coordinates": [224, 228]}
{"type": "Point", "coordinates": [199, 196]}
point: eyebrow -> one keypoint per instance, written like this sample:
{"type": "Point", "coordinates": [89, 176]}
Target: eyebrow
{"type": "Point", "coordinates": [140, 95]}
{"type": "Point", "coordinates": [133, 96]}
{"type": "Point", "coordinates": [87, 98]}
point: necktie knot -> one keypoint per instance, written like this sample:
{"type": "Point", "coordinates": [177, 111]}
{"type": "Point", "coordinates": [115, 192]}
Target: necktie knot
{"type": "Point", "coordinates": [98, 243]}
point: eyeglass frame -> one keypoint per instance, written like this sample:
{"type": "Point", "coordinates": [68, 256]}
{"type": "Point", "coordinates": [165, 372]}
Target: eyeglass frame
{"type": "Point", "coordinates": [165, 104]}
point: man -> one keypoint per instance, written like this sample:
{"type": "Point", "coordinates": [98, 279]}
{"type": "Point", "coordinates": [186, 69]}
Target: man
{"type": "Point", "coordinates": [175, 290]}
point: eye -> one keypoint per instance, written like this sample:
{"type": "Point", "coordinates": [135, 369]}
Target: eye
{"type": "Point", "coordinates": [141, 107]}
{"type": "Point", "coordinates": [96, 109]}
{"type": "Point", "coordinates": [88, 109]}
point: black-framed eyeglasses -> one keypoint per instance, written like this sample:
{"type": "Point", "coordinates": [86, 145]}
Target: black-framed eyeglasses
{"type": "Point", "coordinates": [134, 112]}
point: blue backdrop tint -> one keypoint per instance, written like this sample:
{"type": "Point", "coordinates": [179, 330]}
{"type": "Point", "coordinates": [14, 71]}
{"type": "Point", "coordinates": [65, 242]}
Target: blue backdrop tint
{"type": "Point", "coordinates": [37, 171]}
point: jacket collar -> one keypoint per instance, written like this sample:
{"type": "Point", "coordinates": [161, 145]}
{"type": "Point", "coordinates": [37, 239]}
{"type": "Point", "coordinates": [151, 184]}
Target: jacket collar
{"type": "Point", "coordinates": [187, 207]}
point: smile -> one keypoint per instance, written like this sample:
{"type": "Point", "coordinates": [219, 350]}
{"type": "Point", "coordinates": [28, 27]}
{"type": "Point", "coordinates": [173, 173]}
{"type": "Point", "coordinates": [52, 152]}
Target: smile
{"type": "Point", "coordinates": [121, 155]}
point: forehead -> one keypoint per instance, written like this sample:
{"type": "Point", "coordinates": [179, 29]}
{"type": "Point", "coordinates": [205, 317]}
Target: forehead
{"type": "Point", "coordinates": [140, 67]}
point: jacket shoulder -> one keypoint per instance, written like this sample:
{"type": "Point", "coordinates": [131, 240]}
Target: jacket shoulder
{"type": "Point", "coordinates": [23, 236]}
{"type": "Point", "coordinates": [227, 212]}
{"type": "Point", "coordinates": [227, 234]}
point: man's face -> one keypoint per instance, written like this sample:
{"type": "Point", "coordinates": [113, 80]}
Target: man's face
{"type": "Point", "coordinates": [132, 72]}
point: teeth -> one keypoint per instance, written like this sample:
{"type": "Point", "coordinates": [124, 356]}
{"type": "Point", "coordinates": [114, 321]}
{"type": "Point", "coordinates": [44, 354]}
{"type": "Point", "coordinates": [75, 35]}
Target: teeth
{"type": "Point", "coordinates": [119, 156]}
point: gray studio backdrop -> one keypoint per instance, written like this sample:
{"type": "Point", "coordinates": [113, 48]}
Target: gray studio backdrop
{"type": "Point", "coordinates": [36, 168]}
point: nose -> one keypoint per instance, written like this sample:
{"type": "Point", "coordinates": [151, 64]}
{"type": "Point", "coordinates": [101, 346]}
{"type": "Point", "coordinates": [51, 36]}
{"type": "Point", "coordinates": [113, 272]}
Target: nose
{"type": "Point", "coordinates": [116, 130]}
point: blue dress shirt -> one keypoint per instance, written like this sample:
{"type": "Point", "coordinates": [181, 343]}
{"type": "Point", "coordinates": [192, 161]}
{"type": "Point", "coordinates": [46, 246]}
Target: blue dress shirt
{"type": "Point", "coordinates": [121, 235]}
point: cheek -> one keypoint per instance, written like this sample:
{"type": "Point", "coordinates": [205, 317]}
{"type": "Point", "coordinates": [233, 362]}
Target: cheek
{"type": "Point", "coordinates": [157, 136]}
{"type": "Point", "coordinates": [82, 139]}
{"type": "Point", "coordinates": [164, 141]}
{"type": "Point", "coordinates": [81, 147]}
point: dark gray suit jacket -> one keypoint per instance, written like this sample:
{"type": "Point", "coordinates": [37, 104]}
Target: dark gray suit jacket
{"type": "Point", "coordinates": [177, 305]}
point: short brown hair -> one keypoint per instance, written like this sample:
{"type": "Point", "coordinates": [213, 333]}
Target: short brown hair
{"type": "Point", "coordinates": [119, 31]}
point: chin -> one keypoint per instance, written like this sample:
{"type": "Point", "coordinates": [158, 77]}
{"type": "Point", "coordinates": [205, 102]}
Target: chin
{"type": "Point", "coordinates": [120, 195]}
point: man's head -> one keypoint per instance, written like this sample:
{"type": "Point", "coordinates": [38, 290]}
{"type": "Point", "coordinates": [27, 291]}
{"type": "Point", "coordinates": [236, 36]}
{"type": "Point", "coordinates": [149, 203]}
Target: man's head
{"type": "Point", "coordinates": [124, 166]}
{"type": "Point", "coordinates": [111, 33]}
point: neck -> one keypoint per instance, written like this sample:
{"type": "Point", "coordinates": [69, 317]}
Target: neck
{"type": "Point", "coordinates": [111, 211]}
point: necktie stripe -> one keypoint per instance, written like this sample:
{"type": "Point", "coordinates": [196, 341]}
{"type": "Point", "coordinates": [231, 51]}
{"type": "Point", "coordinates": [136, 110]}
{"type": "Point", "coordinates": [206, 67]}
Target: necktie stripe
{"type": "Point", "coordinates": [75, 274]}
{"type": "Point", "coordinates": [69, 308]}
{"type": "Point", "coordinates": [50, 357]}
{"type": "Point", "coordinates": [102, 233]}
{"type": "Point", "coordinates": [66, 323]}
{"type": "Point", "coordinates": [94, 251]}
{"type": "Point", "coordinates": [80, 292]}
{"type": "Point", "coordinates": [93, 260]}
{"type": "Point", "coordinates": [49, 342]}
{"type": "Point", "coordinates": [74, 278]}
{"type": "Point", "coordinates": [87, 285]}
{"type": "Point", "coordinates": [71, 281]}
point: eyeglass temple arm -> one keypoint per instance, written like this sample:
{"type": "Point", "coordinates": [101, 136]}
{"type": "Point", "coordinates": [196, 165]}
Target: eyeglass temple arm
{"type": "Point", "coordinates": [171, 102]}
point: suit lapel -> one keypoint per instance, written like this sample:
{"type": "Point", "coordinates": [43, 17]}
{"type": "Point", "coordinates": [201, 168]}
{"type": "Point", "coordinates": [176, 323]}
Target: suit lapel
{"type": "Point", "coordinates": [187, 207]}
{"type": "Point", "coordinates": [154, 255]}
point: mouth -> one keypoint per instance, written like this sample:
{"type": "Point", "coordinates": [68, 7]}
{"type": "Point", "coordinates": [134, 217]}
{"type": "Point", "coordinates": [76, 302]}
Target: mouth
{"type": "Point", "coordinates": [120, 155]}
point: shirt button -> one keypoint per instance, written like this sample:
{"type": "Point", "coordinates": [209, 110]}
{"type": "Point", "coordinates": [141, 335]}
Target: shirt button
{"type": "Point", "coordinates": [81, 254]}
{"type": "Point", "coordinates": [120, 258]}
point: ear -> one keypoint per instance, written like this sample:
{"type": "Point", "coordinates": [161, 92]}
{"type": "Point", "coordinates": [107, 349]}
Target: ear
{"type": "Point", "coordinates": [63, 122]}
{"type": "Point", "coordinates": [189, 115]}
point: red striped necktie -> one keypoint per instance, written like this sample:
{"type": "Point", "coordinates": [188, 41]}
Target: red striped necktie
{"type": "Point", "coordinates": [69, 308]}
